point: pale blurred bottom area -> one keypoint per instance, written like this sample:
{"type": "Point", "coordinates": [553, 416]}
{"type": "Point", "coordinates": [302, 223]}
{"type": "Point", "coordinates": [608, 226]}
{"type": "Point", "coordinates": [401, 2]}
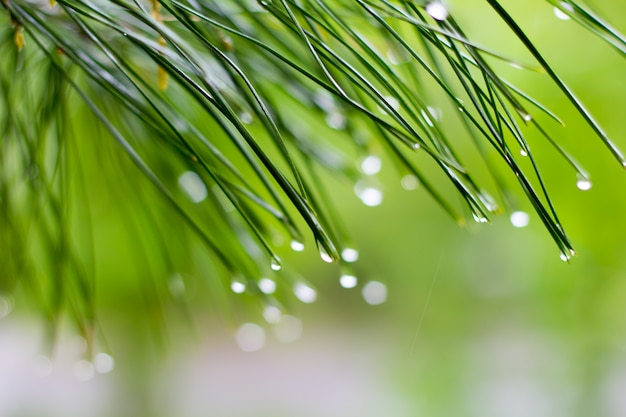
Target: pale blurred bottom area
{"type": "Point", "coordinates": [331, 371]}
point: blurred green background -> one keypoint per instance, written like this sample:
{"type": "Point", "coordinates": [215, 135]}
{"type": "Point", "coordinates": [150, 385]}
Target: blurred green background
{"type": "Point", "coordinates": [483, 320]}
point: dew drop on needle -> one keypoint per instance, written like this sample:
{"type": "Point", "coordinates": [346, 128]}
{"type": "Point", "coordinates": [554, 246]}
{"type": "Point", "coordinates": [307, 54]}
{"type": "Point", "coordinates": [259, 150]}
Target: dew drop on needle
{"type": "Point", "coordinates": [275, 264]}
{"type": "Point", "coordinates": [437, 10]}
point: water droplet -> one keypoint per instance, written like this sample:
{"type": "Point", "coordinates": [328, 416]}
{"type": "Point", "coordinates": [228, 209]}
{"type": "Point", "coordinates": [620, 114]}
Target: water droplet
{"type": "Point", "coordinates": [375, 293]}
{"type": "Point", "coordinates": [409, 182]}
{"type": "Point", "coordinates": [250, 337]}
{"type": "Point", "coordinates": [226, 42]}
{"type": "Point", "coordinates": [560, 10]}
{"type": "Point", "coordinates": [583, 184]}
{"type": "Point", "coordinates": [288, 329]}
{"type": "Point", "coordinates": [325, 100]}
{"type": "Point", "coordinates": [176, 285]}
{"type": "Point", "coordinates": [84, 370]}
{"type": "Point", "coordinates": [350, 255]}
{"type": "Point", "coordinates": [488, 200]}
{"type": "Point", "coordinates": [325, 256]}
{"type": "Point", "coordinates": [398, 57]}
{"type": "Point", "coordinates": [6, 305]}
{"type": "Point", "coordinates": [437, 10]}
{"type": "Point", "coordinates": [479, 219]}
{"type": "Point", "coordinates": [523, 152]}
{"type": "Point", "coordinates": [415, 146]}
{"type": "Point", "coordinates": [564, 257]}
{"type": "Point", "coordinates": [238, 287]}
{"type": "Point", "coordinates": [103, 363]}
{"type": "Point", "coordinates": [336, 120]}
{"type": "Point", "coordinates": [371, 165]}
{"type": "Point", "coordinates": [435, 112]}
{"type": "Point", "coordinates": [275, 264]}
{"type": "Point", "coordinates": [304, 293]}
{"type": "Point", "coordinates": [272, 314]}
{"type": "Point", "coordinates": [296, 245]}
{"type": "Point", "coordinates": [267, 286]}
{"type": "Point", "coordinates": [193, 186]}
{"type": "Point", "coordinates": [392, 102]}
{"type": "Point", "coordinates": [246, 118]}
{"type": "Point", "coordinates": [519, 219]}
{"type": "Point", "coordinates": [527, 117]}
{"type": "Point", "coordinates": [427, 119]}
{"type": "Point", "coordinates": [348, 281]}
{"type": "Point", "coordinates": [370, 195]}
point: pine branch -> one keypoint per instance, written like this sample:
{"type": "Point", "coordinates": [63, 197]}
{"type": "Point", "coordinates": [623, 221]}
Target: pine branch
{"type": "Point", "coordinates": [223, 107]}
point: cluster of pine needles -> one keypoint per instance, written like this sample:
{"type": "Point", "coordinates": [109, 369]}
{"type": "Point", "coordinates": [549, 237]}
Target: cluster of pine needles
{"type": "Point", "coordinates": [219, 120]}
